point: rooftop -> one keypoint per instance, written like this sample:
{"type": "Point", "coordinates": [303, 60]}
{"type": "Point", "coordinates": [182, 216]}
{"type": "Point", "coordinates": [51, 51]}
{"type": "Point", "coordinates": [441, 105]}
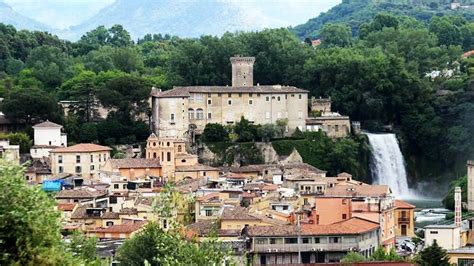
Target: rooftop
{"type": "Point", "coordinates": [66, 206]}
{"type": "Point", "coordinates": [134, 163]}
{"type": "Point", "coordinates": [82, 193]}
{"type": "Point", "coordinates": [83, 147]}
{"type": "Point", "coordinates": [198, 167]}
{"type": "Point", "coordinates": [441, 226]}
{"type": "Point", "coordinates": [358, 191]}
{"type": "Point", "coordinates": [400, 204]}
{"type": "Point", "coordinates": [185, 91]}
{"type": "Point", "coordinates": [120, 228]}
{"type": "Point", "coordinates": [47, 124]}
{"type": "Point", "coordinates": [464, 250]}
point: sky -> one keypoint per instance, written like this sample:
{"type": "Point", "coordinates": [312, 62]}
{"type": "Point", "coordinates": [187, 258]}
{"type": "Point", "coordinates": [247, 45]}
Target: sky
{"type": "Point", "coordinates": [62, 14]}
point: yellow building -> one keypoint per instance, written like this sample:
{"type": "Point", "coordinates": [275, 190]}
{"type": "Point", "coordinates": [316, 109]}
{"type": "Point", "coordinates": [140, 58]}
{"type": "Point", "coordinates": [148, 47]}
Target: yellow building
{"type": "Point", "coordinates": [461, 256]}
{"type": "Point", "coordinates": [83, 159]}
{"type": "Point", "coordinates": [404, 219]}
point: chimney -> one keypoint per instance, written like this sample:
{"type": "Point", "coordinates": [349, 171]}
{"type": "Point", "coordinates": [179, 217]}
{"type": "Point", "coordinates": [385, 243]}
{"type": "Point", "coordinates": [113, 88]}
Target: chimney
{"type": "Point", "coordinates": [470, 185]}
{"type": "Point", "coordinates": [457, 206]}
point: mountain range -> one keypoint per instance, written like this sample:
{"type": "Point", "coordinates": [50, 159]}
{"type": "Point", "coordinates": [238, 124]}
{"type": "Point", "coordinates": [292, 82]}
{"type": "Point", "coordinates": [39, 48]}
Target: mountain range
{"type": "Point", "coordinates": [9, 16]}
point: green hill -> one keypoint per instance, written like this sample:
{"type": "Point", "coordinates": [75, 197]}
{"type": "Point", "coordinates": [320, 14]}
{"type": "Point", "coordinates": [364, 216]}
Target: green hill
{"type": "Point", "coordinates": [356, 12]}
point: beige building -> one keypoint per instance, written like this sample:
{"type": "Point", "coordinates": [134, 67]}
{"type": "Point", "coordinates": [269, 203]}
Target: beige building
{"type": "Point", "coordinates": [322, 118]}
{"type": "Point", "coordinates": [83, 159]}
{"type": "Point", "coordinates": [404, 218]}
{"type": "Point", "coordinates": [470, 185]}
{"type": "Point", "coordinates": [446, 236]}
{"type": "Point", "coordinates": [176, 109]}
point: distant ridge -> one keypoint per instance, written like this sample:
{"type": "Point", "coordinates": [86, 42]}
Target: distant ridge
{"type": "Point", "coordinates": [11, 17]}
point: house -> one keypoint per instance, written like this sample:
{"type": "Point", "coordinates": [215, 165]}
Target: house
{"type": "Point", "coordinates": [322, 118]}
{"type": "Point", "coordinates": [120, 231]}
{"type": "Point", "coordinates": [404, 218]}
{"type": "Point", "coordinates": [461, 256]}
{"type": "Point", "coordinates": [133, 168]}
{"type": "Point", "coordinates": [84, 159]}
{"type": "Point", "coordinates": [47, 136]}
{"type": "Point", "coordinates": [9, 152]}
{"type": "Point", "coordinates": [447, 236]}
{"type": "Point", "coordinates": [38, 170]}
{"type": "Point", "coordinates": [84, 195]}
{"type": "Point", "coordinates": [312, 243]}
{"type": "Point", "coordinates": [175, 110]}
{"type": "Point", "coordinates": [236, 217]}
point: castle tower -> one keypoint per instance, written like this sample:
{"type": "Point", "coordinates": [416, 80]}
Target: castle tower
{"type": "Point", "coordinates": [457, 206]}
{"type": "Point", "coordinates": [470, 185]}
{"type": "Point", "coordinates": [242, 71]}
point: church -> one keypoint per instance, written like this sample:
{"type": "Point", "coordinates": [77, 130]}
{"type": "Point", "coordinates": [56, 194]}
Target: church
{"type": "Point", "coordinates": [177, 110]}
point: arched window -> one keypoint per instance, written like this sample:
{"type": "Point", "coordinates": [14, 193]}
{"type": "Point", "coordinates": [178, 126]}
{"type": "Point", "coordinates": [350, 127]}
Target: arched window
{"type": "Point", "coordinates": [154, 155]}
{"type": "Point", "coordinates": [179, 148]}
{"type": "Point", "coordinates": [191, 114]}
{"type": "Point", "coordinates": [199, 114]}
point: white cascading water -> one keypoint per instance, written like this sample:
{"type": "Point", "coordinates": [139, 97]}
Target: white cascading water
{"type": "Point", "coordinates": [388, 165]}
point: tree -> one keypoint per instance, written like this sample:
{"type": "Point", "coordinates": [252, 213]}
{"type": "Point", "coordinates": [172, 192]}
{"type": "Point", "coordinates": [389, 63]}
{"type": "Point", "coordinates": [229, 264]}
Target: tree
{"type": "Point", "coordinates": [214, 132]}
{"type": "Point", "coordinates": [281, 125]}
{"type": "Point", "coordinates": [84, 248]}
{"type": "Point", "coordinates": [29, 105]}
{"type": "Point", "coordinates": [433, 255]}
{"type": "Point", "coordinates": [266, 132]}
{"type": "Point", "coordinates": [245, 130]}
{"type": "Point", "coordinates": [29, 225]}
{"type": "Point", "coordinates": [21, 139]}
{"type": "Point", "coordinates": [335, 35]}
{"type": "Point", "coordinates": [379, 254]}
{"type": "Point", "coordinates": [353, 257]}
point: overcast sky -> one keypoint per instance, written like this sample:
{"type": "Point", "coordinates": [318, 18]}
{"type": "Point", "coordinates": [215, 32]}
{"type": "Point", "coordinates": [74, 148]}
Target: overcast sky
{"type": "Point", "coordinates": [64, 13]}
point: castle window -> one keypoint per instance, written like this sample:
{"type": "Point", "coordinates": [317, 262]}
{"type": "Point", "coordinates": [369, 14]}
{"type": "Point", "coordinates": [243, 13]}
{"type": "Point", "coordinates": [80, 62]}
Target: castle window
{"type": "Point", "coordinates": [300, 97]}
{"type": "Point", "coordinates": [267, 98]}
{"type": "Point", "coordinates": [183, 160]}
{"type": "Point", "coordinates": [250, 94]}
{"type": "Point", "coordinates": [100, 158]}
{"type": "Point", "coordinates": [250, 102]}
{"type": "Point", "coordinates": [179, 148]}
{"type": "Point", "coordinates": [154, 144]}
{"type": "Point", "coordinates": [60, 159]}
{"type": "Point", "coordinates": [92, 168]}
{"type": "Point", "coordinates": [168, 156]}
{"type": "Point", "coordinates": [209, 101]}
{"type": "Point", "coordinates": [78, 158]}
{"type": "Point", "coordinates": [172, 118]}
{"type": "Point", "coordinates": [154, 155]}
{"type": "Point", "coordinates": [61, 169]}
{"type": "Point", "coordinates": [199, 114]}
{"type": "Point", "coordinates": [229, 102]}
{"type": "Point", "coordinates": [92, 158]}
{"type": "Point", "coordinates": [209, 115]}
{"type": "Point", "coordinates": [292, 95]}
{"type": "Point", "coordinates": [191, 114]}
{"type": "Point", "coordinates": [278, 98]}
{"type": "Point", "coordinates": [168, 143]}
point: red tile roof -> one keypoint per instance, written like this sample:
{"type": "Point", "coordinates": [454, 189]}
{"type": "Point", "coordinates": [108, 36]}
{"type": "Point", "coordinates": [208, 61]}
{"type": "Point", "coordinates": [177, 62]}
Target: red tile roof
{"type": "Point", "coordinates": [83, 147]}
{"type": "Point", "coordinates": [47, 124]}
{"type": "Point", "coordinates": [134, 163]}
{"type": "Point", "coordinates": [400, 204]}
{"type": "Point", "coordinates": [358, 191]}
{"type": "Point", "coordinates": [120, 228]}
{"type": "Point", "coordinates": [66, 206]}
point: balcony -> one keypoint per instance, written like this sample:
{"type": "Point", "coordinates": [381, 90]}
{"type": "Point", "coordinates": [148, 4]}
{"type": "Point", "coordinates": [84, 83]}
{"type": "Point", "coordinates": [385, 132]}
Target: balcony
{"type": "Point", "coordinates": [266, 248]}
{"type": "Point", "coordinates": [404, 220]}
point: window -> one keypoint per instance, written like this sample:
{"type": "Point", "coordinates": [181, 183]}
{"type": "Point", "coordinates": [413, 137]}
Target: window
{"type": "Point", "coordinates": [229, 95]}
{"type": "Point", "coordinates": [209, 115]}
{"type": "Point", "coordinates": [300, 97]}
{"type": "Point", "coordinates": [60, 159]}
{"type": "Point", "coordinates": [198, 98]}
{"type": "Point", "coordinates": [180, 148]}
{"type": "Point", "coordinates": [306, 240]}
{"type": "Point", "coordinates": [78, 169]}
{"type": "Point", "coordinates": [172, 118]}
{"type": "Point", "coordinates": [61, 169]}
{"type": "Point", "coordinates": [267, 98]}
{"type": "Point", "coordinates": [261, 241]}
{"type": "Point", "coordinates": [124, 186]}
{"type": "Point", "coordinates": [336, 128]}
{"type": "Point", "coordinates": [250, 94]}
{"type": "Point", "coordinates": [168, 143]}
{"type": "Point", "coordinates": [154, 155]}
{"type": "Point", "coordinates": [203, 173]}
{"type": "Point", "coordinates": [116, 186]}
{"type": "Point", "coordinates": [434, 232]}
{"type": "Point", "coordinates": [305, 201]}
{"type": "Point", "coordinates": [165, 224]}
{"type": "Point", "coordinates": [113, 199]}
{"type": "Point", "coordinates": [292, 240]}
{"type": "Point", "coordinates": [168, 156]}
{"type": "Point", "coordinates": [229, 102]}
{"type": "Point", "coordinates": [278, 98]}
{"type": "Point", "coordinates": [92, 158]}
{"type": "Point", "coordinates": [250, 102]}
{"type": "Point", "coordinates": [199, 114]}
{"type": "Point", "coordinates": [109, 223]}
{"type": "Point", "coordinates": [183, 160]}
{"type": "Point", "coordinates": [100, 158]}
{"type": "Point", "coordinates": [334, 239]}
{"type": "Point", "coordinates": [191, 114]}
{"type": "Point", "coordinates": [317, 240]}
{"type": "Point", "coordinates": [292, 95]}
{"type": "Point", "coordinates": [240, 94]}
{"type": "Point", "coordinates": [273, 241]}
{"type": "Point", "coordinates": [285, 207]}
{"type": "Point", "coordinates": [78, 158]}
{"type": "Point", "coordinates": [344, 216]}
{"type": "Point", "coordinates": [92, 167]}
{"type": "Point", "coordinates": [208, 213]}
{"type": "Point", "coordinates": [209, 101]}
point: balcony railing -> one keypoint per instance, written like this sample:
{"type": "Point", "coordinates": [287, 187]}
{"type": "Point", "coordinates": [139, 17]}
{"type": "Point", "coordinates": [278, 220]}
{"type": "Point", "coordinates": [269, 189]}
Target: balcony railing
{"type": "Point", "coordinates": [266, 248]}
{"type": "Point", "coordinates": [404, 220]}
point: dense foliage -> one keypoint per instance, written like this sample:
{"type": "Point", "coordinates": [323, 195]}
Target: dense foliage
{"type": "Point", "coordinates": [378, 77]}
{"type": "Point", "coordinates": [432, 255]}
{"type": "Point", "coordinates": [448, 200]}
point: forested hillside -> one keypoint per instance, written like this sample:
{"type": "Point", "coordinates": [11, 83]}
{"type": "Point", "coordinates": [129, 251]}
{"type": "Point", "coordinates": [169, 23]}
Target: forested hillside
{"type": "Point", "coordinates": [356, 12]}
{"type": "Point", "coordinates": [378, 78]}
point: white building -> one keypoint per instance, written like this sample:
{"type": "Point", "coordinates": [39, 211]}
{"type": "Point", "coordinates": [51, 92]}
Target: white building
{"type": "Point", "coordinates": [447, 236]}
{"type": "Point", "coordinates": [47, 136]}
{"type": "Point", "coordinates": [9, 152]}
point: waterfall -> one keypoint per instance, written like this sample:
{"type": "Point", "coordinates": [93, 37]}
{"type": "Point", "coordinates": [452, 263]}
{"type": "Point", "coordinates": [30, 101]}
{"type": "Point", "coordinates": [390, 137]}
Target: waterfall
{"type": "Point", "coordinates": [388, 165]}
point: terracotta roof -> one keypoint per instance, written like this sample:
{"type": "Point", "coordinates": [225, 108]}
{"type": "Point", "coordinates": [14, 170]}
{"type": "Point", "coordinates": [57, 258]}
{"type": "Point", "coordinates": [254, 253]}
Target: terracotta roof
{"type": "Point", "coordinates": [261, 167]}
{"type": "Point", "coordinates": [110, 215]}
{"type": "Point", "coordinates": [237, 213]}
{"type": "Point", "coordinates": [208, 197]}
{"type": "Point", "coordinates": [66, 206]}
{"type": "Point", "coordinates": [352, 226]}
{"type": "Point", "coordinates": [120, 228]}
{"type": "Point", "coordinates": [260, 186]}
{"type": "Point", "coordinates": [47, 124]}
{"type": "Point", "coordinates": [81, 193]}
{"type": "Point", "coordinates": [358, 191]}
{"type": "Point", "coordinates": [205, 227]}
{"type": "Point", "coordinates": [185, 91]}
{"type": "Point", "coordinates": [400, 204]}
{"type": "Point", "coordinates": [134, 163]}
{"type": "Point", "coordinates": [83, 147]}
{"type": "Point", "coordinates": [198, 167]}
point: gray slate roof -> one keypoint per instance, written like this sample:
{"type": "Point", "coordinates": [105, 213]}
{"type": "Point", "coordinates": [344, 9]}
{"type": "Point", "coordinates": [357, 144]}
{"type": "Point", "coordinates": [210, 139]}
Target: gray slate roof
{"type": "Point", "coordinates": [185, 91]}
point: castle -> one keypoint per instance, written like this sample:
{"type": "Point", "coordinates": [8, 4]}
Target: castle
{"type": "Point", "coordinates": [177, 110]}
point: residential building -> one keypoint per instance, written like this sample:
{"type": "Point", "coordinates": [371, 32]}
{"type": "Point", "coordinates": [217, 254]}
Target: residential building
{"type": "Point", "coordinates": [9, 152]}
{"type": "Point", "coordinates": [47, 136]}
{"type": "Point", "coordinates": [84, 195]}
{"type": "Point", "coordinates": [38, 170]}
{"type": "Point", "coordinates": [404, 218]}
{"type": "Point", "coordinates": [120, 231]}
{"type": "Point", "coordinates": [177, 110]}
{"type": "Point", "coordinates": [132, 168]}
{"type": "Point", "coordinates": [462, 256]}
{"type": "Point", "coordinates": [311, 243]}
{"type": "Point", "coordinates": [84, 159]}
{"type": "Point", "coordinates": [447, 236]}
{"type": "Point", "coordinates": [323, 118]}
